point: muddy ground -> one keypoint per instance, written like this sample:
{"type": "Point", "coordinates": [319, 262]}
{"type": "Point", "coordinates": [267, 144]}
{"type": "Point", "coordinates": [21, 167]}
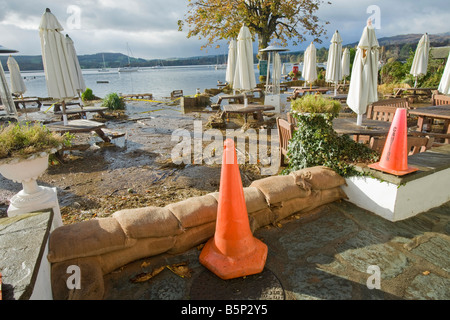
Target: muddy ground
{"type": "Point", "coordinates": [136, 170]}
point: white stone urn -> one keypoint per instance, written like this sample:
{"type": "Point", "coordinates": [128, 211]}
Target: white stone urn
{"type": "Point", "coordinates": [32, 197]}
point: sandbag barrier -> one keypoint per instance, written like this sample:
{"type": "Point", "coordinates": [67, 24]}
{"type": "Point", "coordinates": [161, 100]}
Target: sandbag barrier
{"type": "Point", "coordinates": [102, 245]}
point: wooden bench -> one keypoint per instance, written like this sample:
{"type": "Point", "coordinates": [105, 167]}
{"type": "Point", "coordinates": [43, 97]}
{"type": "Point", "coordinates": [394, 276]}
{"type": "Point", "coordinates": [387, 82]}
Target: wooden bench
{"type": "Point", "coordinates": [139, 96]}
{"type": "Point", "coordinates": [176, 94]}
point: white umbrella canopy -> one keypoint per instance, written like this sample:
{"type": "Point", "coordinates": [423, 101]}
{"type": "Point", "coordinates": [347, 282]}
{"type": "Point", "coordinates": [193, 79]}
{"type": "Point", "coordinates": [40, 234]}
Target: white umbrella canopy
{"type": "Point", "coordinates": [420, 62]}
{"type": "Point", "coordinates": [231, 62]}
{"type": "Point", "coordinates": [345, 63]}
{"type": "Point", "coordinates": [444, 84]}
{"type": "Point", "coordinates": [363, 85]}
{"type": "Point", "coordinates": [334, 68]}
{"type": "Point", "coordinates": [310, 64]}
{"type": "Point", "coordinates": [244, 77]}
{"type": "Point", "coordinates": [80, 85]}
{"type": "Point", "coordinates": [59, 69]}
{"type": "Point", "coordinates": [17, 84]}
{"type": "Point", "coordinates": [5, 95]}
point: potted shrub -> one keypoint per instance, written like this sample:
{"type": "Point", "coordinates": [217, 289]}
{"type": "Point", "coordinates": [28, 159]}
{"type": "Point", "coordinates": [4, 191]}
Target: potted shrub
{"type": "Point", "coordinates": [315, 104]}
{"type": "Point", "coordinates": [315, 142]}
{"type": "Point", "coordinates": [24, 153]}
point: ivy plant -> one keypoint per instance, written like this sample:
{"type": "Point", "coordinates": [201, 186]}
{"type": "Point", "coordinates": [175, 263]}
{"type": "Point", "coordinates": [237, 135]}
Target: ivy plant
{"type": "Point", "coordinates": [317, 143]}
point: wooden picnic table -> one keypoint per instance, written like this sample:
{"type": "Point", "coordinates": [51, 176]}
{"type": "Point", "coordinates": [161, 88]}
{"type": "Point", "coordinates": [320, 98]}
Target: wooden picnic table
{"type": "Point", "coordinates": [57, 104]}
{"type": "Point", "coordinates": [237, 97]}
{"type": "Point", "coordinates": [399, 91]}
{"type": "Point", "coordinates": [79, 125]}
{"type": "Point", "coordinates": [340, 96]}
{"type": "Point", "coordinates": [83, 111]}
{"type": "Point", "coordinates": [303, 90]}
{"type": "Point", "coordinates": [255, 109]}
{"type": "Point", "coordinates": [426, 114]}
{"type": "Point", "coordinates": [369, 127]}
{"type": "Point", "coordinates": [24, 101]}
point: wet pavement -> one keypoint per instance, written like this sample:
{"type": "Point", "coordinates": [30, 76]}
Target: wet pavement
{"type": "Point", "coordinates": [337, 252]}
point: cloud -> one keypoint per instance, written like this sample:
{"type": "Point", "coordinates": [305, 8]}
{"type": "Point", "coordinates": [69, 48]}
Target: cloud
{"type": "Point", "coordinates": [150, 27]}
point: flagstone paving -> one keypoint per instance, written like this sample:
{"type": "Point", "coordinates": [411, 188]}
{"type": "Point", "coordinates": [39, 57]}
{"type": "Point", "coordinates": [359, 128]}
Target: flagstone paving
{"type": "Point", "coordinates": [325, 255]}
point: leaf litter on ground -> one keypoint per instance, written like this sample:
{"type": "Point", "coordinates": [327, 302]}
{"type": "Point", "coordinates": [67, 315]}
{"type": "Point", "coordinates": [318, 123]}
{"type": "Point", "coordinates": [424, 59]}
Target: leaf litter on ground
{"type": "Point", "coordinates": [180, 269]}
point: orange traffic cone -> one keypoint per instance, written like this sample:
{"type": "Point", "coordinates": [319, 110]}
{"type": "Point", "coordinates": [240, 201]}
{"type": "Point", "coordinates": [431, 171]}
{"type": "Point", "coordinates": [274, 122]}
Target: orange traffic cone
{"type": "Point", "coordinates": [394, 158]}
{"type": "Point", "coordinates": [233, 251]}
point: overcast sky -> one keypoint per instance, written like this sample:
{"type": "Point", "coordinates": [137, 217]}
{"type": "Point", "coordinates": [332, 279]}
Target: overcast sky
{"type": "Point", "coordinates": [150, 26]}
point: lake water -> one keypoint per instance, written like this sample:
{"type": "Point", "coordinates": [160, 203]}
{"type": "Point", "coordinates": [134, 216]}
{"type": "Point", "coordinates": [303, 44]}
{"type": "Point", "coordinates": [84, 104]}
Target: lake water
{"type": "Point", "coordinates": [159, 82]}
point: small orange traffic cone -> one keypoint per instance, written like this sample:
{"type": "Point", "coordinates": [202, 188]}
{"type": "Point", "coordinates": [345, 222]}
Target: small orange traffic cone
{"type": "Point", "coordinates": [233, 251]}
{"type": "Point", "coordinates": [394, 158]}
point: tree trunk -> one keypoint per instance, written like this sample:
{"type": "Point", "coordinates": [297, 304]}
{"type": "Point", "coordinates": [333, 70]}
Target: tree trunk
{"type": "Point", "coordinates": [263, 42]}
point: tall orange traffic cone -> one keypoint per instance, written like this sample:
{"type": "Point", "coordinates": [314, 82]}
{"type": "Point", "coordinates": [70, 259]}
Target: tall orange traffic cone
{"type": "Point", "coordinates": [394, 158]}
{"type": "Point", "coordinates": [233, 251]}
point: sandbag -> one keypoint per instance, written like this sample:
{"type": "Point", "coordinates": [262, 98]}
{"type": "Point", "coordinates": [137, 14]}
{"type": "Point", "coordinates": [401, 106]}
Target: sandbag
{"type": "Point", "coordinates": [254, 199]}
{"type": "Point", "coordinates": [279, 188]}
{"type": "Point", "coordinates": [148, 222]}
{"type": "Point", "coordinates": [314, 200]}
{"type": "Point", "coordinates": [143, 248]}
{"type": "Point", "coordinates": [91, 280]}
{"type": "Point", "coordinates": [195, 211]}
{"type": "Point", "coordinates": [86, 238]}
{"type": "Point", "coordinates": [261, 218]}
{"type": "Point", "coordinates": [193, 237]}
{"type": "Point", "coordinates": [296, 205]}
{"type": "Point", "coordinates": [319, 177]}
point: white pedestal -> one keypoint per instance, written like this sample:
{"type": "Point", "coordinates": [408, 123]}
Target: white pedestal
{"type": "Point", "coordinates": [45, 198]}
{"type": "Point", "coordinates": [398, 202]}
{"type": "Point", "coordinates": [273, 100]}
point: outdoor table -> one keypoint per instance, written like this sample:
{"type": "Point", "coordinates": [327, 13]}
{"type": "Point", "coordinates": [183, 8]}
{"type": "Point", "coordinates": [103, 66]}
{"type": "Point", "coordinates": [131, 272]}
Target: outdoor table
{"type": "Point", "coordinates": [303, 90]}
{"type": "Point", "coordinates": [369, 127]}
{"type": "Point", "coordinates": [82, 111]}
{"type": "Point", "coordinates": [57, 104]}
{"type": "Point", "coordinates": [398, 91]}
{"type": "Point", "coordinates": [255, 109]}
{"type": "Point", "coordinates": [24, 101]}
{"type": "Point", "coordinates": [341, 97]}
{"type": "Point", "coordinates": [79, 125]}
{"type": "Point", "coordinates": [237, 97]}
{"type": "Point", "coordinates": [431, 113]}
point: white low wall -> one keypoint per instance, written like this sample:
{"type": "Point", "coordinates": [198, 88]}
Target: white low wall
{"type": "Point", "coordinates": [398, 202]}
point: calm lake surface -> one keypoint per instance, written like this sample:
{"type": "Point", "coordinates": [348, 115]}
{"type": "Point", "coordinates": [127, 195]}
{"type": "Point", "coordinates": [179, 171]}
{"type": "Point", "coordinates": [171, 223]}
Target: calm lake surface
{"type": "Point", "coordinates": [158, 81]}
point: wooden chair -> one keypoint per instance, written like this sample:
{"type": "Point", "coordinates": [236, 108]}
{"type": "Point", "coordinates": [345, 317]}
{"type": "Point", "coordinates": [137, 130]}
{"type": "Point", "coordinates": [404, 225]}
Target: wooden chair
{"type": "Point", "coordinates": [439, 99]}
{"type": "Point", "coordinates": [285, 133]}
{"type": "Point", "coordinates": [384, 110]}
{"type": "Point", "coordinates": [416, 144]}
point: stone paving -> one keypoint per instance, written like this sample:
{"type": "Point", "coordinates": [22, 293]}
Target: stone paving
{"type": "Point", "coordinates": [328, 254]}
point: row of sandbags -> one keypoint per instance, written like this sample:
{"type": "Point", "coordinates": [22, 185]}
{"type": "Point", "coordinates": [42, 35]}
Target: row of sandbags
{"type": "Point", "coordinates": [102, 245]}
